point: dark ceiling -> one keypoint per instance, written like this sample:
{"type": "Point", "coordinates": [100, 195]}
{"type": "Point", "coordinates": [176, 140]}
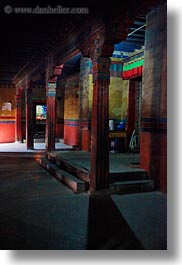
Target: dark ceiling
{"type": "Point", "coordinates": [135, 39]}
{"type": "Point", "coordinates": [24, 37]}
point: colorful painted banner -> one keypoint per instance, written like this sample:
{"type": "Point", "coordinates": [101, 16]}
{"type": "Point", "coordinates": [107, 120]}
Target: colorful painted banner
{"type": "Point", "coordinates": [133, 69]}
{"type": "Point", "coordinates": [133, 66]}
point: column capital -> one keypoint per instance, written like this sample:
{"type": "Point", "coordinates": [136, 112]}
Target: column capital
{"type": "Point", "coordinates": [96, 46]}
{"type": "Point", "coordinates": [19, 90]}
{"type": "Point", "coordinates": [92, 46]}
{"type": "Point", "coordinates": [101, 69]}
{"type": "Point", "coordinates": [101, 43]}
{"type": "Point", "coordinates": [29, 85]}
{"type": "Point", "coordinates": [18, 97]}
{"type": "Point", "coordinates": [51, 87]}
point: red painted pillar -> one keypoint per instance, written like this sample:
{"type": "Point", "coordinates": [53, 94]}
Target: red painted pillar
{"type": "Point", "coordinates": [153, 138]}
{"type": "Point", "coordinates": [51, 116]}
{"type": "Point", "coordinates": [18, 127]}
{"type": "Point", "coordinates": [29, 118]}
{"type": "Point", "coordinates": [99, 161]}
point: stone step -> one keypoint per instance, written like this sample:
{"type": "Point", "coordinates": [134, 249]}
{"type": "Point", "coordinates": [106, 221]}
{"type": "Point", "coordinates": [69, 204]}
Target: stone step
{"type": "Point", "coordinates": [124, 187]}
{"type": "Point", "coordinates": [65, 177]}
{"type": "Point", "coordinates": [127, 175]}
{"type": "Point", "coordinates": [63, 164]}
{"type": "Point", "coordinates": [128, 180]}
{"type": "Point", "coordinates": [42, 140]}
{"type": "Point", "coordinates": [125, 172]}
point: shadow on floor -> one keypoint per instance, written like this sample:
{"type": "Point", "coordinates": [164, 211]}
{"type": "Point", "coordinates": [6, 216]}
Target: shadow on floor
{"type": "Point", "coordinates": [18, 235]}
{"type": "Point", "coordinates": [107, 229]}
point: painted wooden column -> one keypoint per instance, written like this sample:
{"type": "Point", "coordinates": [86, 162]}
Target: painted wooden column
{"type": "Point", "coordinates": [18, 127]}
{"type": "Point", "coordinates": [99, 163]}
{"type": "Point", "coordinates": [153, 137]}
{"type": "Point", "coordinates": [99, 47]}
{"type": "Point", "coordinates": [29, 118]}
{"type": "Point", "coordinates": [51, 116]}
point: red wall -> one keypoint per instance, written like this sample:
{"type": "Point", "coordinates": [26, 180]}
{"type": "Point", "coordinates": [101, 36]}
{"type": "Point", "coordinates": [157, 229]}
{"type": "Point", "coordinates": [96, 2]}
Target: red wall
{"type": "Point", "coordinates": [71, 132]}
{"type": "Point", "coordinates": [72, 136]}
{"type": "Point", "coordinates": [7, 120]}
{"type": "Point", "coordinates": [7, 131]}
{"type": "Point", "coordinates": [154, 161]}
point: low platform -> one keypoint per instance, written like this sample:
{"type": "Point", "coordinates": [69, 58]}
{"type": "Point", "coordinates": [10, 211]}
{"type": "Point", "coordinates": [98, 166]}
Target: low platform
{"type": "Point", "coordinates": [125, 174]}
{"type": "Point", "coordinates": [18, 147]}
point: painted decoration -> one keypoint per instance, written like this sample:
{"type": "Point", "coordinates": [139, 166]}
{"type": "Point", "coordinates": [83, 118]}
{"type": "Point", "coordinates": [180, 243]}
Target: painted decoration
{"type": "Point", "coordinates": [6, 109]}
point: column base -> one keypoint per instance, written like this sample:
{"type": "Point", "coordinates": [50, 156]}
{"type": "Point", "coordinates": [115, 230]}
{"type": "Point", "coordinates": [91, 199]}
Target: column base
{"type": "Point", "coordinates": [102, 192]}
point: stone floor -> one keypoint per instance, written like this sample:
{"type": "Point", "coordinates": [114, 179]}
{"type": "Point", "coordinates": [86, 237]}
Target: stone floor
{"type": "Point", "coordinates": [38, 212]}
{"type": "Point", "coordinates": [21, 147]}
{"type": "Point", "coordinates": [118, 161]}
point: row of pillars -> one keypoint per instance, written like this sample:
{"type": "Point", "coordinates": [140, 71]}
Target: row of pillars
{"type": "Point", "coordinates": [99, 163]}
{"type": "Point", "coordinates": [153, 109]}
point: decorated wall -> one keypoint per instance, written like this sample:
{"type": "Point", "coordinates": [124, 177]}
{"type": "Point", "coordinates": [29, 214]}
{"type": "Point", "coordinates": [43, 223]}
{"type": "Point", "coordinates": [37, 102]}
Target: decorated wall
{"type": "Point", "coordinates": [86, 89]}
{"type": "Point", "coordinates": [7, 113]}
{"type": "Point", "coordinates": [72, 110]}
{"type": "Point", "coordinates": [78, 94]}
{"type": "Point", "coordinates": [118, 99]}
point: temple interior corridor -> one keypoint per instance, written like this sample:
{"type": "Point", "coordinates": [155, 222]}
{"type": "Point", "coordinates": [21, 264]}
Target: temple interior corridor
{"type": "Point", "coordinates": [83, 125]}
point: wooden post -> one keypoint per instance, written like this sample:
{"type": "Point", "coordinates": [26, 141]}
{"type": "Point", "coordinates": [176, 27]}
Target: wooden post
{"type": "Point", "coordinates": [153, 135]}
{"type": "Point", "coordinates": [29, 118]}
{"type": "Point", "coordinates": [99, 163]}
{"type": "Point", "coordinates": [18, 128]}
{"type": "Point", "coordinates": [51, 116]}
